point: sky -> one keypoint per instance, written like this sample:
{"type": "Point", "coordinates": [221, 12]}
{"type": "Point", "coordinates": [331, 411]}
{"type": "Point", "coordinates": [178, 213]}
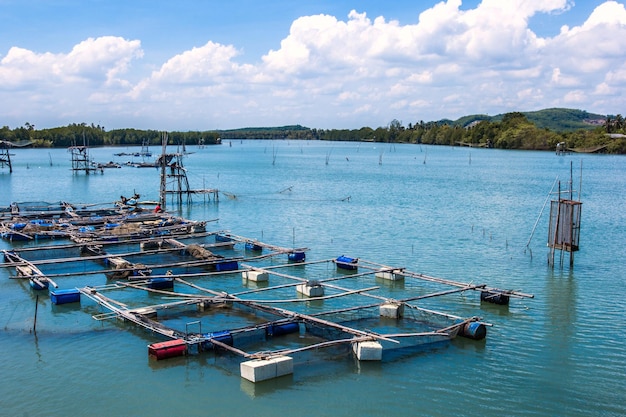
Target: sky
{"type": "Point", "coordinates": [328, 64]}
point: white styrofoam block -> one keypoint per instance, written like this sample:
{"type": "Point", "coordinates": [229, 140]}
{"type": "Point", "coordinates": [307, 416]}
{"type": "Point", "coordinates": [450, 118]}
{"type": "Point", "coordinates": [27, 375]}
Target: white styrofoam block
{"type": "Point", "coordinates": [263, 369]}
{"type": "Point", "coordinates": [310, 291]}
{"type": "Point", "coordinates": [392, 310]}
{"type": "Point", "coordinates": [393, 275]}
{"type": "Point", "coordinates": [256, 276]}
{"type": "Point", "coordinates": [368, 351]}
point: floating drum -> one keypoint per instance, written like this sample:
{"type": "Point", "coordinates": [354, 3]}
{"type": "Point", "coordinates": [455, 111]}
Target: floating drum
{"type": "Point", "coordinates": [222, 238]}
{"type": "Point", "coordinates": [253, 246]}
{"type": "Point", "coordinates": [38, 284]}
{"type": "Point", "coordinates": [281, 329]}
{"type": "Point", "coordinates": [161, 283]}
{"type": "Point", "coordinates": [345, 262]}
{"type": "Point", "coordinates": [65, 296]}
{"type": "Point", "coordinates": [169, 349]}
{"type": "Point", "coordinates": [296, 256]}
{"type": "Point", "coordinates": [18, 226]}
{"type": "Point", "coordinates": [227, 266]}
{"type": "Point", "coordinates": [223, 336]}
{"type": "Point", "coordinates": [41, 223]}
{"type": "Point", "coordinates": [473, 330]}
{"type": "Point", "coordinates": [494, 298]}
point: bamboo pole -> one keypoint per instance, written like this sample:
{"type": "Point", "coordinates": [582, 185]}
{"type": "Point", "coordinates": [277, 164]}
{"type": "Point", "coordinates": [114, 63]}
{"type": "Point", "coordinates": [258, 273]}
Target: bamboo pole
{"type": "Point", "coordinates": [35, 320]}
{"type": "Point", "coordinates": [227, 347]}
{"type": "Point", "coordinates": [440, 293]}
{"type": "Point", "coordinates": [318, 346]}
{"type": "Point", "coordinates": [326, 297]}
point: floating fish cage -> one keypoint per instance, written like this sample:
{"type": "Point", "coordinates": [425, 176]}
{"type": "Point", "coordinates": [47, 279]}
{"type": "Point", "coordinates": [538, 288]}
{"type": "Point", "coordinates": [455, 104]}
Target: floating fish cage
{"type": "Point", "coordinates": [275, 308]}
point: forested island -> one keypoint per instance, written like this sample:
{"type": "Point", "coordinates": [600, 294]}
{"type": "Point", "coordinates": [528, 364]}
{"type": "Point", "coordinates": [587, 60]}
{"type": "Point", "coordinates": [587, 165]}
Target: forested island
{"type": "Point", "coordinates": [576, 130]}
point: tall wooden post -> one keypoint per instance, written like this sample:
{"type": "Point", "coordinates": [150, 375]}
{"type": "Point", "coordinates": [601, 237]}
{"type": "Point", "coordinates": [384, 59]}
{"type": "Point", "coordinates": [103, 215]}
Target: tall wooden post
{"type": "Point", "coordinates": [163, 188]}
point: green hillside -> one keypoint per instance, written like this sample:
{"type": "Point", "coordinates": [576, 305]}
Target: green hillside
{"type": "Point", "coordinates": [555, 119]}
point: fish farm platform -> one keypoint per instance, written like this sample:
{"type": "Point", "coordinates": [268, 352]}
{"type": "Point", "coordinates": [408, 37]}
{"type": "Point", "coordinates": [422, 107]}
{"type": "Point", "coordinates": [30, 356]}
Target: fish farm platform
{"type": "Point", "coordinates": [198, 292]}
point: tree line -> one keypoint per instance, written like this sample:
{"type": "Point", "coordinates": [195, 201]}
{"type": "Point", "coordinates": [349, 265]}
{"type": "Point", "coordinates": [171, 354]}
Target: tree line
{"type": "Point", "coordinates": [96, 135]}
{"type": "Point", "coordinates": [512, 131]}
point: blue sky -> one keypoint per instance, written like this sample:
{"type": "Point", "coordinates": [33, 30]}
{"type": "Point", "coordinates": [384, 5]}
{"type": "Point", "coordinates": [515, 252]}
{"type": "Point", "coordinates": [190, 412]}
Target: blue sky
{"type": "Point", "coordinates": [199, 65]}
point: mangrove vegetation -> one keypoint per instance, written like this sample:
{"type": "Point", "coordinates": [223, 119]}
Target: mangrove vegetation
{"type": "Point", "coordinates": [542, 130]}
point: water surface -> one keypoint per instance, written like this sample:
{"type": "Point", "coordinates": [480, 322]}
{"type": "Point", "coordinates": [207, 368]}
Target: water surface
{"type": "Point", "coordinates": [458, 213]}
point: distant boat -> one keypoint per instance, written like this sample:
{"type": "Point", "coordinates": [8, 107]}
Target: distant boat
{"type": "Point", "coordinates": [146, 165]}
{"type": "Point", "coordinates": [109, 164]}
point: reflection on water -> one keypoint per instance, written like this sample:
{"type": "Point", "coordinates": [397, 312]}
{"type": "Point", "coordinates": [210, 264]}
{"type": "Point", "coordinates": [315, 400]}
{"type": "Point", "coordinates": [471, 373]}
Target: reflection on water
{"type": "Point", "coordinates": [284, 383]}
{"type": "Point", "coordinates": [561, 305]}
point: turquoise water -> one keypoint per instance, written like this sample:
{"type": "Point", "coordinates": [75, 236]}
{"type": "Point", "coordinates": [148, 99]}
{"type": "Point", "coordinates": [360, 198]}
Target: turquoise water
{"type": "Point", "coordinates": [457, 213]}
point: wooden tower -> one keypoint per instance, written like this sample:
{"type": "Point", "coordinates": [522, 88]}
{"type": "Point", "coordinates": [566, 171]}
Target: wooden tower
{"type": "Point", "coordinates": [173, 175]}
{"type": "Point", "coordinates": [5, 156]}
{"type": "Point", "coordinates": [174, 179]}
{"type": "Point", "coordinates": [80, 158]}
{"type": "Point", "coordinates": [564, 227]}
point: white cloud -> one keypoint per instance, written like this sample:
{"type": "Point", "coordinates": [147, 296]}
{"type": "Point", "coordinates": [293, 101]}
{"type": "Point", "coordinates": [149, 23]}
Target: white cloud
{"type": "Point", "coordinates": [97, 61]}
{"type": "Point", "coordinates": [560, 80]}
{"type": "Point", "coordinates": [355, 72]}
{"type": "Point", "coordinates": [205, 65]}
{"type": "Point", "coordinates": [575, 97]}
{"type": "Point", "coordinates": [23, 67]}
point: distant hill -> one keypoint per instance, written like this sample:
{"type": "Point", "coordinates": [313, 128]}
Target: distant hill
{"type": "Point", "coordinates": [555, 119]}
{"type": "Point", "coordinates": [265, 129]}
{"type": "Point", "coordinates": [280, 132]}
